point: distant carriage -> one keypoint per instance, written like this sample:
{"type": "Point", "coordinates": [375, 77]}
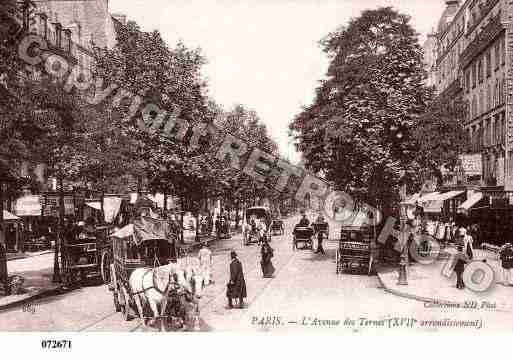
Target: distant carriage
{"type": "Point", "coordinates": [304, 236]}
{"type": "Point", "coordinates": [277, 227]}
{"type": "Point", "coordinates": [251, 235]}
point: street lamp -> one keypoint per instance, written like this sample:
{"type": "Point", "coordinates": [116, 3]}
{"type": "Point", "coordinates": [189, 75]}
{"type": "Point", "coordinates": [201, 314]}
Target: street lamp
{"type": "Point", "coordinates": [403, 264]}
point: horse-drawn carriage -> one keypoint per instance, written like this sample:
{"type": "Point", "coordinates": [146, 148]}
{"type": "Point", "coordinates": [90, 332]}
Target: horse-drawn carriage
{"type": "Point", "coordinates": [355, 251]}
{"type": "Point", "coordinates": [252, 231]}
{"type": "Point", "coordinates": [303, 235]}
{"type": "Point", "coordinates": [277, 226]}
{"type": "Point", "coordinates": [143, 280]}
{"type": "Point", "coordinates": [87, 256]}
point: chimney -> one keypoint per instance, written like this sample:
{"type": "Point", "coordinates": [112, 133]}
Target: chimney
{"type": "Point", "coordinates": [452, 4]}
{"type": "Point", "coordinates": [120, 17]}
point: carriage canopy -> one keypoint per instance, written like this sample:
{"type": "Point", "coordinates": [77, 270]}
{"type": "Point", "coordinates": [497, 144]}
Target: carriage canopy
{"type": "Point", "coordinates": [145, 229]}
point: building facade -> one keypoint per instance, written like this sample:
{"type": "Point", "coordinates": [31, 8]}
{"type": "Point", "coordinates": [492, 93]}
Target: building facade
{"type": "Point", "coordinates": [472, 62]}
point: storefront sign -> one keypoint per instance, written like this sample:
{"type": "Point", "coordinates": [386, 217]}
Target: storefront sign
{"type": "Point", "coordinates": [472, 164]}
{"type": "Point", "coordinates": [28, 206]}
{"type": "Point", "coordinates": [51, 205]}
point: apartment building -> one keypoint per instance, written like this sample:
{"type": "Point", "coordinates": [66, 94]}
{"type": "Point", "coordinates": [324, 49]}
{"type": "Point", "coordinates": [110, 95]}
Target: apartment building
{"type": "Point", "coordinates": [472, 61]}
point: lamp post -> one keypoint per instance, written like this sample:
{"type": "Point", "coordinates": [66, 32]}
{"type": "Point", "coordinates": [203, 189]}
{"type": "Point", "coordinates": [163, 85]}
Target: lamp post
{"type": "Point", "coordinates": [403, 264]}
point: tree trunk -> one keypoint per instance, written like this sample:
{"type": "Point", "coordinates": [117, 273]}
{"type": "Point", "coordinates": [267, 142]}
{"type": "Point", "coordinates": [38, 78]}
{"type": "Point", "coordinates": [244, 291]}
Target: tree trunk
{"type": "Point", "coordinates": [60, 235]}
{"type": "Point", "coordinates": [4, 277]}
{"type": "Point", "coordinates": [197, 227]}
{"type": "Point", "coordinates": [237, 217]}
{"type": "Point", "coordinates": [102, 209]}
{"type": "Point", "coordinates": [165, 205]}
{"type": "Point", "coordinates": [181, 218]}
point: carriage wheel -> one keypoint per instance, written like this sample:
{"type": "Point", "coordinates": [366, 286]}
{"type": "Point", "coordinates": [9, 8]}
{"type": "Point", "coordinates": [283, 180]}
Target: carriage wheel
{"type": "Point", "coordinates": [105, 267]}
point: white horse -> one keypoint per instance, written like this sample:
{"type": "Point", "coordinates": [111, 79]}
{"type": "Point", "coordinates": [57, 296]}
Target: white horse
{"type": "Point", "coordinates": [152, 286]}
{"type": "Point", "coordinates": [194, 275]}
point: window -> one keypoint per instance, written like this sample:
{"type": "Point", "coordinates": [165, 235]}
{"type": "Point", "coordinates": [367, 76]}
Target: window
{"type": "Point", "coordinates": [480, 71]}
{"type": "Point", "coordinates": [474, 75]}
{"type": "Point", "coordinates": [473, 112]}
{"type": "Point", "coordinates": [489, 98]}
{"type": "Point", "coordinates": [497, 55]}
{"type": "Point", "coordinates": [495, 93]}
{"type": "Point", "coordinates": [503, 55]}
{"type": "Point", "coordinates": [488, 63]}
{"type": "Point", "coordinates": [503, 91]}
{"type": "Point", "coordinates": [467, 80]}
{"type": "Point", "coordinates": [43, 20]}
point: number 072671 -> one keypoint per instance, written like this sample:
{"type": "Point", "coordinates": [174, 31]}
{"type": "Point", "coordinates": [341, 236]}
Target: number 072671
{"type": "Point", "coordinates": [56, 344]}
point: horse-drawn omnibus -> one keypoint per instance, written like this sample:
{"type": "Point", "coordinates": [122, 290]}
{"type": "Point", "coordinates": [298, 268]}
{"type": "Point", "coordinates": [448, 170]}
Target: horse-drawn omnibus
{"type": "Point", "coordinates": [148, 244]}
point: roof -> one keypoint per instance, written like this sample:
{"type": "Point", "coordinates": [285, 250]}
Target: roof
{"type": "Point", "coordinates": [448, 15]}
{"type": "Point", "coordinates": [92, 15]}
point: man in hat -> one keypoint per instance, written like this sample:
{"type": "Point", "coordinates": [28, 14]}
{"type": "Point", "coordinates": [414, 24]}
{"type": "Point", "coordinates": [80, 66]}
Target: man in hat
{"type": "Point", "coordinates": [236, 287]}
{"type": "Point", "coordinates": [320, 225]}
{"type": "Point", "coordinates": [206, 262]}
{"type": "Point", "coordinates": [465, 254]}
{"type": "Point", "coordinates": [506, 258]}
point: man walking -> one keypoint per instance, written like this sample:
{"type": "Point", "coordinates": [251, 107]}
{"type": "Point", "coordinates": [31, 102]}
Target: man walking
{"type": "Point", "coordinates": [321, 227]}
{"type": "Point", "coordinates": [236, 287]}
{"type": "Point", "coordinates": [506, 258]}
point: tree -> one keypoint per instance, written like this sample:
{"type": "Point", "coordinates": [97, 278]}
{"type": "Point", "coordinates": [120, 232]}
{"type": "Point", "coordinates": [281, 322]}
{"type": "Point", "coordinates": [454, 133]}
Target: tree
{"type": "Point", "coordinates": [441, 135]}
{"type": "Point", "coordinates": [357, 132]}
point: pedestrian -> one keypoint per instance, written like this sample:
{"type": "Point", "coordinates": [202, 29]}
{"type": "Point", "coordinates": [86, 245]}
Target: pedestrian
{"type": "Point", "coordinates": [206, 262]}
{"type": "Point", "coordinates": [319, 224]}
{"type": "Point", "coordinates": [236, 287]}
{"type": "Point", "coordinates": [506, 257]}
{"type": "Point", "coordinates": [465, 254]}
{"type": "Point", "coordinates": [267, 253]}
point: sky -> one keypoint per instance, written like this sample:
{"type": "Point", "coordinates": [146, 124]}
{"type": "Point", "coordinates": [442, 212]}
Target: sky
{"type": "Point", "coordinates": [264, 54]}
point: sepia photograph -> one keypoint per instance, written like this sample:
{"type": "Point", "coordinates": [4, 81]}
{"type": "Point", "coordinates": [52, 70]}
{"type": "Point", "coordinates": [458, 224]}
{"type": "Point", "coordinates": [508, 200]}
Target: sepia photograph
{"type": "Point", "coordinates": [259, 167]}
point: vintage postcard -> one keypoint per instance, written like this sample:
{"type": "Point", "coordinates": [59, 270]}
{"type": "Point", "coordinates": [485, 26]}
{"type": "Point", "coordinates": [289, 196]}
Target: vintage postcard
{"type": "Point", "coordinates": [182, 166]}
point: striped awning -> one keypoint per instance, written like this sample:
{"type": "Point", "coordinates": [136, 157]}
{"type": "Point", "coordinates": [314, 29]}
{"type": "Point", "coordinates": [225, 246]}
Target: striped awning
{"type": "Point", "coordinates": [471, 201]}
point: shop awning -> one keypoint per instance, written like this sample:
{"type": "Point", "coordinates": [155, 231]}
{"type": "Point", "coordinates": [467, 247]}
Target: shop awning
{"type": "Point", "coordinates": [433, 202]}
{"type": "Point", "coordinates": [429, 197]}
{"type": "Point", "coordinates": [449, 195]}
{"type": "Point", "coordinates": [412, 200]}
{"type": "Point", "coordinates": [8, 216]}
{"type": "Point", "coordinates": [471, 201]}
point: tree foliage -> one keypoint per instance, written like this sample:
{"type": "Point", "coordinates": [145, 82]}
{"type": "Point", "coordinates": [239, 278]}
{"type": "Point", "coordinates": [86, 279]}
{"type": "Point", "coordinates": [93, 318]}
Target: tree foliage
{"type": "Point", "coordinates": [358, 130]}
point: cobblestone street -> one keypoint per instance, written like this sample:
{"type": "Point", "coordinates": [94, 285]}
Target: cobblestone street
{"type": "Point", "coordinates": [305, 294]}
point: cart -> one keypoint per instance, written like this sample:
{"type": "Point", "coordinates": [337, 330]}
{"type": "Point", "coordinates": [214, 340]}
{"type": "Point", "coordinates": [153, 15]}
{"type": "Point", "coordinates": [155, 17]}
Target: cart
{"type": "Point", "coordinates": [355, 250]}
{"type": "Point", "coordinates": [303, 235]}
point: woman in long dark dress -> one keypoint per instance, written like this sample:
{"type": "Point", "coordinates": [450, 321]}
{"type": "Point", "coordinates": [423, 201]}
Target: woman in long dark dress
{"type": "Point", "coordinates": [267, 266]}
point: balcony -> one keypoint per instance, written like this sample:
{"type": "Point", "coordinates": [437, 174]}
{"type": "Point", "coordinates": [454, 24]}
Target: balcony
{"type": "Point", "coordinates": [483, 11]}
{"type": "Point", "coordinates": [489, 33]}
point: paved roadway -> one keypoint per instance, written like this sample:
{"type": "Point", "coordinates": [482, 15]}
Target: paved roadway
{"type": "Point", "coordinates": [304, 295]}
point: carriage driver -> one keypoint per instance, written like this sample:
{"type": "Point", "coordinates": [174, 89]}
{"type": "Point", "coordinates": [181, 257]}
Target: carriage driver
{"type": "Point", "coordinates": [304, 222]}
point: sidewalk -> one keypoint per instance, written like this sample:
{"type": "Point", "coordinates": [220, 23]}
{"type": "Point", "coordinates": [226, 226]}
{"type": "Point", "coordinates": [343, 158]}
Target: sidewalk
{"type": "Point", "coordinates": [37, 270]}
{"type": "Point", "coordinates": [427, 283]}
{"type": "Point", "coordinates": [14, 256]}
